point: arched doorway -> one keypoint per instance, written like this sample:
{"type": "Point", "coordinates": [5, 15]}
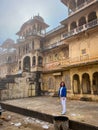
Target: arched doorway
{"type": "Point", "coordinates": [26, 64]}
{"type": "Point", "coordinates": [51, 84]}
{"type": "Point", "coordinates": [86, 84]}
{"type": "Point", "coordinates": [95, 83]}
{"type": "Point", "coordinates": [76, 84]}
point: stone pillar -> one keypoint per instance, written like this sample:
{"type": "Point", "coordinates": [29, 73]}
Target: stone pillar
{"type": "Point", "coordinates": [86, 18]}
{"type": "Point", "coordinates": [37, 83]}
{"type": "Point", "coordinates": [36, 58]}
{"type": "Point", "coordinates": [30, 62]}
{"type": "Point", "coordinates": [61, 123]}
{"type": "Point", "coordinates": [71, 79]}
{"type": "Point", "coordinates": [81, 87]}
{"type": "Point", "coordinates": [91, 83]}
{"type": "Point", "coordinates": [22, 64]}
{"type": "Point", "coordinates": [69, 27]}
{"type": "Point", "coordinates": [76, 3]}
{"type": "Point", "coordinates": [97, 14]}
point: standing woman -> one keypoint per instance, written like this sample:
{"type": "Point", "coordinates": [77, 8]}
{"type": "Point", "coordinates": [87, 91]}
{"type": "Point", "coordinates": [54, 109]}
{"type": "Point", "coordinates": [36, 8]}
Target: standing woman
{"type": "Point", "coordinates": [62, 95]}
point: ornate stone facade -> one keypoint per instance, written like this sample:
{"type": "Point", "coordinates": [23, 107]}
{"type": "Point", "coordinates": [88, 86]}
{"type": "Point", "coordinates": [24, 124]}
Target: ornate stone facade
{"type": "Point", "coordinates": [68, 52]}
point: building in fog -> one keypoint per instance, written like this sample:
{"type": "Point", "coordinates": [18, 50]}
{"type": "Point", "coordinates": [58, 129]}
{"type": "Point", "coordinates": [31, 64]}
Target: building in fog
{"type": "Point", "coordinates": [68, 52]}
{"type": "Point", "coordinates": [8, 59]}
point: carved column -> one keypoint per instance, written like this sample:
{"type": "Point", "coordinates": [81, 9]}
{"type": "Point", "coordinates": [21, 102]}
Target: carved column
{"type": "Point", "coordinates": [91, 83]}
{"type": "Point", "coordinates": [71, 79]}
{"type": "Point", "coordinates": [81, 87]}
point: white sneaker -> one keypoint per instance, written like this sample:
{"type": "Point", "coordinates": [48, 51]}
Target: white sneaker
{"type": "Point", "coordinates": [63, 113]}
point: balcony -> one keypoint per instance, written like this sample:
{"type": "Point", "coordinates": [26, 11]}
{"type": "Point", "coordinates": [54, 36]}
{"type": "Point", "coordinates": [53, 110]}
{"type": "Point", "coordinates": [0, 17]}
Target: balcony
{"type": "Point", "coordinates": [35, 33]}
{"type": "Point", "coordinates": [56, 44]}
{"type": "Point", "coordinates": [72, 33]}
{"type": "Point", "coordinates": [68, 62]}
{"type": "Point", "coordinates": [81, 6]}
{"type": "Point", "coordinates": [20, 40]}
{"type": "Point", "coordinates": [81, 29]}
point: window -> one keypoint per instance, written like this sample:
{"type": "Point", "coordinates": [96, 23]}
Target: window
{"type": "Point", "coordinates": [34, 60]}
{"type": "Point", "coordinates": [40, 60]}
{"type": "Point", "coordinates": [9, 59]}
{"type": "Point", "coordinates": [32, 45]}
{"type": "Point", "coordinates": [83, 51]}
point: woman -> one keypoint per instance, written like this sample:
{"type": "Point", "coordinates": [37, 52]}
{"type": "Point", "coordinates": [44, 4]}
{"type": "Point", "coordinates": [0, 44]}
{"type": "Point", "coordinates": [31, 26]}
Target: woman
{"type": "Point", "coordinates": [62, 95]}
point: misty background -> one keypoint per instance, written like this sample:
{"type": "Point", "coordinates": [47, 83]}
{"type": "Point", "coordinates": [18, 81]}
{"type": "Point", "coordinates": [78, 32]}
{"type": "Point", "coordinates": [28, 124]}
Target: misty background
{"type": "Point", "coordinates": [13, 13]}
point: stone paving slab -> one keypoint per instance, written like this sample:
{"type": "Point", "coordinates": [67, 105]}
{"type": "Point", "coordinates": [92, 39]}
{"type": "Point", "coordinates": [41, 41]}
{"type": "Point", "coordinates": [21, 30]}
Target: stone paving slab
{"type": "Point", "coordinates": [82, 111]}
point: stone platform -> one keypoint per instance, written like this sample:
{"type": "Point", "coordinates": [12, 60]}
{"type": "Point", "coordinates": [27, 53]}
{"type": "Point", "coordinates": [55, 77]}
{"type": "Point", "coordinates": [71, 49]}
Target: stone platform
{"type": "Point", "coordinates": [81, 111]}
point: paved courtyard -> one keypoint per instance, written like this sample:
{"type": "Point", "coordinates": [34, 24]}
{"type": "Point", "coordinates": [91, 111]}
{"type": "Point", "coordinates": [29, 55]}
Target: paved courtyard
{"type": "Point", "coordinates": [86, 112]}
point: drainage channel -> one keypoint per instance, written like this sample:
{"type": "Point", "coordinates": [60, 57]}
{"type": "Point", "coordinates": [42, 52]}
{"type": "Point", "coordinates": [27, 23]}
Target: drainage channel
{"type": "Point", "coordinates": [74, 125]}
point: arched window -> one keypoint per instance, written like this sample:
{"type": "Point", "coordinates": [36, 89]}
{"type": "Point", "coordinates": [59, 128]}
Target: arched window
{"type": "Point", "coordinates": [82, 21]}
{"type": "Point", "coordinates": [73, 25]}
{"type": "Point", "coordinates": [40, 60]}
{"type": "Point", "coordinates": [95, 83]}
{"type": "Point", "coordinates": [9, 59]}
{"type": "Point", "coordinates": [33, 60]}
{"type": "Point", "coordinates": [92, 16]}
{"type": "Point", "coordinates": [26, 63]}
{"type": "Point", "coordinates": [76, 84]}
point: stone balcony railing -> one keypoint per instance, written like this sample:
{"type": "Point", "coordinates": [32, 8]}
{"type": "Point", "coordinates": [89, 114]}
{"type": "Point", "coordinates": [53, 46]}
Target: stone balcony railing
{"type": "Point", "coordinates": [82, 28]}
{"type": "Point", "coordinates": [82, 6]}
{"type": "Point", "coordinates": [22, 39]}
{"type": "Point", "coordinates": [56, 44]}
{"type": "Point", "coordinates": [71, 33]}
{"type": "Point", "coordinates": [54, 65]}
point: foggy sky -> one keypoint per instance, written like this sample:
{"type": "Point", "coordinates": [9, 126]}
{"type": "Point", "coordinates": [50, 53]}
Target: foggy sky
{"type": "Point", "coordinates": [13, 13]}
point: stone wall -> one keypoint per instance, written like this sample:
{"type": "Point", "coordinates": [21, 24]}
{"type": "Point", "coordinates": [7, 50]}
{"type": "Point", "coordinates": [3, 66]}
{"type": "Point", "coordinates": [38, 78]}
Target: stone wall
{"type": "Point", "coordinates": [19, 89]}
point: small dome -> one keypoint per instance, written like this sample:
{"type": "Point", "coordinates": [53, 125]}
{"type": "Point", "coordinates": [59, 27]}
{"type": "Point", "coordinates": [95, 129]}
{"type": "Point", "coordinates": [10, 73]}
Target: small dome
{"type": "Point", "coordinates": [38, 18]}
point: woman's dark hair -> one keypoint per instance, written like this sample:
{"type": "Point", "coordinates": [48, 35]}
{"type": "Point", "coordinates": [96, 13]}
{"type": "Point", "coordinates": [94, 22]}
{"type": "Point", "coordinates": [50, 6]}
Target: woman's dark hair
{"type": "Point", "coordinates": [63, 84]}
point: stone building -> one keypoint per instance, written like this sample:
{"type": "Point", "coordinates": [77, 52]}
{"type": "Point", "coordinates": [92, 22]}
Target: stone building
{"type": "Point", "coordinates": [68, 52]}
{"type": "Point", "coordinates": [8, 59]}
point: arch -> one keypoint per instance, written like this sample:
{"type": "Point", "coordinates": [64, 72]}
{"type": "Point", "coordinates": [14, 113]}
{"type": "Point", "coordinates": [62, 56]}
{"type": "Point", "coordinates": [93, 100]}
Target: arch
{"type": "Point", "coordinates": [26, 63]}
{"type": "Point", "coordinates": [82, 21]}
{"type": "Point", "coordinates": [33, 60]}
{"type": "Point", "coordinates": [95, 83]}
{"type": "Point", "coordinates": [73, 25]}
{"type": "Point", "coordinates": [92, 16]}
{"type": "Point", "coordinates": [51, 83]}
{"type": "Point", "coordinates": [67, 81]}
{"type": "Point", "coordinates": [76, 84]}
{"type": "Point", "coordinates": [40, 60]}
{"type": "Point", "coordinates": [9, 59]}
{"type": "Point", "coordinates": [86, 84]}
